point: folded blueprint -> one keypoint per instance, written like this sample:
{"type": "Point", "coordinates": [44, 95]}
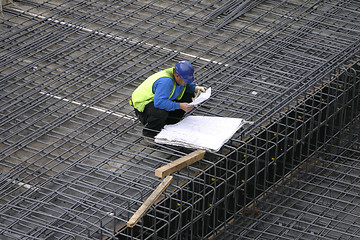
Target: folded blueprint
{"type": "Point", "coordinates": [202, 97]}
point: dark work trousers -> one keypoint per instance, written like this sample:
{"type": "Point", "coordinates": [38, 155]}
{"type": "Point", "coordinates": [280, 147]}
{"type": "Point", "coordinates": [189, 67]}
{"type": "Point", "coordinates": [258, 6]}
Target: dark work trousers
{"type": "Point", "coordinates": [154, 118]}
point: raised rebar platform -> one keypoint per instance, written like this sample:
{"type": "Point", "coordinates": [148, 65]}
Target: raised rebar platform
{"type": "Point", "coordinates": [73, 162]}
{"type": "Point", "coordinates": [320, 200]}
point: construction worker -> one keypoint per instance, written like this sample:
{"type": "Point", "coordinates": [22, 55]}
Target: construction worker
{"type": "Point", "coordinates": [164, 96]}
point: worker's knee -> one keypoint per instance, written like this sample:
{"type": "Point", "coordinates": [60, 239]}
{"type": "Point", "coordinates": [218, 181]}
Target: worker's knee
{"type": "Point", "coordinates": [187, 97]}
{"type": "Point", "coordinates": [154, 114]}
{"type": "Point", "coordinates": [159, 114]}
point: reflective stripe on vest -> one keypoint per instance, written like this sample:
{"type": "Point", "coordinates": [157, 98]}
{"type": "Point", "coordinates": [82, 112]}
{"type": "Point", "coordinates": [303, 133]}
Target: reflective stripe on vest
{"type": "Point", "coordinates": [143, 94]}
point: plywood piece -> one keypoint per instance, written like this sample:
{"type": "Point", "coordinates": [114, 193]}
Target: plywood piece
{"type": "Point", "coordinates": [149, 202]}
{"type": "Point", "coordinates": [180, 163]}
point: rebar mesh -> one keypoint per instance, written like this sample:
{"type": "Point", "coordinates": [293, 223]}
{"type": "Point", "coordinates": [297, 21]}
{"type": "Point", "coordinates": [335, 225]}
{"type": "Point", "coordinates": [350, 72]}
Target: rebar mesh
{"type": "Point", "coordinates": [73, 161]}
{"type": "Point", "coordinates": [319, 201]}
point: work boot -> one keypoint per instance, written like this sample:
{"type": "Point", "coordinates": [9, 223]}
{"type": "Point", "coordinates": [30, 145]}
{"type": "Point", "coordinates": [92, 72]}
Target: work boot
{"type": "Point", "coordinates": [150, 133]}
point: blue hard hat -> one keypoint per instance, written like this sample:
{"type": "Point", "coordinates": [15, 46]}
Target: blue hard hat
{"type": "Point", "coordinates": [185, 71]}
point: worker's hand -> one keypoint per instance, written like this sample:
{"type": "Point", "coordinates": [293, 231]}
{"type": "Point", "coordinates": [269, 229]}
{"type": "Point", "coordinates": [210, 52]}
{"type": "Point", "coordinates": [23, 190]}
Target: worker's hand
{"type": "Point", "coordinates": [184, 106]}
{"type": "Point", "coordinates": [199, 89]}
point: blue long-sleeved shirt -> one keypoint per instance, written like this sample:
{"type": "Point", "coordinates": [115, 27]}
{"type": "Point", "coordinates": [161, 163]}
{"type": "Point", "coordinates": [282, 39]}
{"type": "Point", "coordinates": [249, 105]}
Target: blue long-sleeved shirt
{"type": "Point", "coordinates": [162, 89]}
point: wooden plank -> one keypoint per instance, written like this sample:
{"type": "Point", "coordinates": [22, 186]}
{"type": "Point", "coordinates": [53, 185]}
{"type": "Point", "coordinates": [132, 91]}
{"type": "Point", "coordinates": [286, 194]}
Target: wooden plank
{"type": "Point", "coordinates": [180, 163]}
{"type": "Point", "coordinates": [149, 201]}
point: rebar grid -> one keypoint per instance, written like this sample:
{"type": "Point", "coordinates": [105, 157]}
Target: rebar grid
{"type": "Point", "coordinates": [73, 163]}
{"type": "Point", "coordinates": [319, 201]}
{"type": "Point", "coordinates": [273, 154]}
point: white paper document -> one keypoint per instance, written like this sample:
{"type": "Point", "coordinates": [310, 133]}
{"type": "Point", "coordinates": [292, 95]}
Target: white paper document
{"type": "Point", "coordinates": [200, 132]}
{"type": "Point", "coordinates": [202, 97]}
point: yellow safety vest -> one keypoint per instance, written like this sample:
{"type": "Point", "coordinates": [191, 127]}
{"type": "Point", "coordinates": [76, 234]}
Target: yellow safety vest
{"type": "Point", "coordinates": [143, 94]}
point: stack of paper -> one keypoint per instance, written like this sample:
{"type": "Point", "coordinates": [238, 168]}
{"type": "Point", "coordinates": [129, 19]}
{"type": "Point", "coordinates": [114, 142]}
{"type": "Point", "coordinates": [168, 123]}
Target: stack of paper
{"type": "Point", "coordinates": [200, 132]}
